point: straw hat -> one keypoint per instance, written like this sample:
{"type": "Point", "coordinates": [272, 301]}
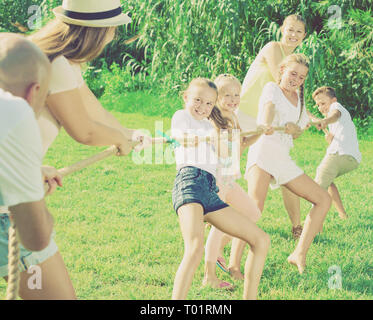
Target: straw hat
{"type": "Point", "coordinates": [92, 13]}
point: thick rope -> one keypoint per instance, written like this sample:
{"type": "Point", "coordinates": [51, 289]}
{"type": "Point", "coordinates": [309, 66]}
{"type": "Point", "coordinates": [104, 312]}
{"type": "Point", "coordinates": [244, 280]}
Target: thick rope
{"type": "Point", "coordinates": [13, 254]}
{"type": "Point", "coordinates": [13, 261]}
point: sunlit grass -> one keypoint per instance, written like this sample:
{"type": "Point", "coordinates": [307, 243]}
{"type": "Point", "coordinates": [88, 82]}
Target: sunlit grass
{"type": "Point", "coordinates": [120, 239]}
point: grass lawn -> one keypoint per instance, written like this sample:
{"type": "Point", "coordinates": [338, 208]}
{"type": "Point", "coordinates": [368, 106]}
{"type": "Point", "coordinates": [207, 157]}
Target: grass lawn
{"type": "Point", "coordinates": [120, 239]}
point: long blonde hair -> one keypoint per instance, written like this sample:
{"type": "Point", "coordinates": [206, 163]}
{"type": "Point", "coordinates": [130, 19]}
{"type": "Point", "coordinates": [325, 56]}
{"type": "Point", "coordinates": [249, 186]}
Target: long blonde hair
{"type": "Point", "coordinates": [299, 58]}
{"type": "Point", "coordinates": [77, 43]}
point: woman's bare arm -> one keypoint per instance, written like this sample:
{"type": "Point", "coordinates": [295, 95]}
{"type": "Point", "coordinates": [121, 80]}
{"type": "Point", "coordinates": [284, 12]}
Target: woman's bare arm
{"type": "Point", "coordinates": [69, 109]}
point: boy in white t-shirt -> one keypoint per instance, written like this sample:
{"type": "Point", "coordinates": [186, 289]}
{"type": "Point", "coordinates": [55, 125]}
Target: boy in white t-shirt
{"type": "Point", "coordinates": [24, 83]}
{"type": "Point", "coordinates": [342, 155]}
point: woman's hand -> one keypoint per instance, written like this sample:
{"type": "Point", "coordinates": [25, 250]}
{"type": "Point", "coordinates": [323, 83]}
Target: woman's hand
{"type": "Point", "coordinates": [329, 137]}
{"type": "Point", "coordinates": [52, 177]}
{"type": "Point", "coordinates": [143, 141]}
{"type": "Point", "coordinates": [125, 146]}
{"type": "Point", "coordinates": [293, 129]}
{"type": "Point", "coordinates": [267, 129]}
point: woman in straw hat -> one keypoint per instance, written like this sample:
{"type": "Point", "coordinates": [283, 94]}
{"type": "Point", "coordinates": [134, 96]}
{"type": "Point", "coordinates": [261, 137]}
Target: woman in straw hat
{"type": "Point", "coordinates": [78, 34]}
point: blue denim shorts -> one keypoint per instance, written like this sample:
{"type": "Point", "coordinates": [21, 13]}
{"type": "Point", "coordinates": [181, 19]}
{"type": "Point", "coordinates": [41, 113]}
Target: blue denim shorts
{"type": "Point", "coordinates": [27, 258]}
{"type": "Point", "coordinates": [194, 185]}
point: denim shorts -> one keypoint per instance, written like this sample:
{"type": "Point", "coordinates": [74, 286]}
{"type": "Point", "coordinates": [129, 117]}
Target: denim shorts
{"type": "Point", "coordinates": [194, 185]}
{"type": "Point", "coordinates": [27, 258]}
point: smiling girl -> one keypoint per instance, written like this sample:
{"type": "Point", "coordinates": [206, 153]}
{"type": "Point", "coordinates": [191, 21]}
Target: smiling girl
{"type": "Point", "coordinates": [264, 69]}
{"type": "Point", "coordinates": [269, 160]}
{"type": "Point", "coordinates": [194, 194]}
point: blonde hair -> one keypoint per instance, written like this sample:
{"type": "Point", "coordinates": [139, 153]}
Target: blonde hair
{"type": "Point", "coordinates": [215, 114]}
{"type": "Point", "coordinates": [22, 63]}
{"type": "Point", "coordinates": [77, 43]}
{"type": "Point", "coordinates": [294, 17]}
{"type": "Point", "coordinates": [300, 59]}
{"type": "Point", "coordinates": [329, 91]}
{"type": "Point", "coordinates": [221, 81]}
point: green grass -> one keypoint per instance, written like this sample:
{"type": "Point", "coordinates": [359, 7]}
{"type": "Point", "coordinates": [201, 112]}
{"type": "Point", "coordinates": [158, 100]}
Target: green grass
{"type": "Point", "coordinates": [120, 238]}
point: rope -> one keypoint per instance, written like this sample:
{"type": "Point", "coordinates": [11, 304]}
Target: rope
{"type": "Point", "coordinates": [13, 251]}
{"type": "Point", "coordinates": [13, 246]}
{"type": "Point", "coordinates": [13, 258]}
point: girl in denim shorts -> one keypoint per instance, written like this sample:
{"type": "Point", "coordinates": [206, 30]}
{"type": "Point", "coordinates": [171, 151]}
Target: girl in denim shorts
{"type": "Point", "coordinates": [194, 194]}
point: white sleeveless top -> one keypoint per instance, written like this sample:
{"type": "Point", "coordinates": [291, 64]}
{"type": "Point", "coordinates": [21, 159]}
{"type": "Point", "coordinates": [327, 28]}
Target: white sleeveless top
{"type": "Point", "coordinates": [66, 76]}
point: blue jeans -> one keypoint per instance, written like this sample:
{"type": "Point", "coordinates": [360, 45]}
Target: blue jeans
{"type": "Point", "coordinates": [194, 185]}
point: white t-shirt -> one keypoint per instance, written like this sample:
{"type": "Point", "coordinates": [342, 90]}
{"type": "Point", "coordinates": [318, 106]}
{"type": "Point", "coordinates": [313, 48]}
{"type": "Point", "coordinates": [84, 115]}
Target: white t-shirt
{"type": "Point", "coordinates": [20, 153]}
{"type": "Point", "coordinates": [285, 112]}
{"type": "Point", "coordinates": [66, 76]}
{"type": "Point", "coordinates": [203, 156]}
{"type": "Point", "coordinates": [344, 132]}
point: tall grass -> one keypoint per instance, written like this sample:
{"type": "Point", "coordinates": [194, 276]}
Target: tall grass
{"type": "Point", "coordinates": [183, 39]}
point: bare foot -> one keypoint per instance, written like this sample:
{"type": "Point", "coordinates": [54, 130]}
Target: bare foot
{"type": "Point", "coordinates": [298, 261]}
{"type": "Point", "coordinates": [343, 216]}
{"type": "Point", "coordinates": [236, 273]}
{"type": "Point", "coordinates": [217, 284]}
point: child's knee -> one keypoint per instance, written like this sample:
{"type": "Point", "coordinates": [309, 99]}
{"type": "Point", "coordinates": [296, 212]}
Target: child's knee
{"type": "Point", "coordinates": [194, 250]}
{"type": "Point", "coordinates": [324, 199]}
{"type": "Point", "coordinates": [327, 199]}
{"type": "Point", "coordinates": [262, 243]}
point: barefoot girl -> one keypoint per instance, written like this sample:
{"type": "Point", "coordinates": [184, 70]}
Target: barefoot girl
{"type": "Point", "coordinates": [269, 161]}
{"type": "Point", "coordinates": [229, 191]}
{"type": "Point", "coordinates": [263, 70]}
{"type": "Point", "coordinates": [195, 198]}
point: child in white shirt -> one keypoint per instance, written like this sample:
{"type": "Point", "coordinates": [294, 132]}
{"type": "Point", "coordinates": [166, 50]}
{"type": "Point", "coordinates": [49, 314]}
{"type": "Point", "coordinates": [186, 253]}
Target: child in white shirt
{"type": "Point", "coordinates": [269, 160]}
{"type": "Point", "coordinates": [194, 194]}
{"type": "Point", "coordinates": [342, 155]}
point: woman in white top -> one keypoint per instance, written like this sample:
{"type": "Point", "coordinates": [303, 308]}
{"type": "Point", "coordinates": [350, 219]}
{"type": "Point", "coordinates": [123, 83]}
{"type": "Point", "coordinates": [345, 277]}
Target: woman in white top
{"type": "Point", "coordinates": [79, 33]}
{"type": "Point", "coordinates": [68, 41]}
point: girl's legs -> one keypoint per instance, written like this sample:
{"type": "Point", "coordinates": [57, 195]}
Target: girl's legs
{"type": "Point", "coordinates": [337, 201]}
{"type": "Point", "coordinates": [212, 252]}
{"type": "Point", "coordinates": [192, 229]}
{"type": "Point", "coordinates": [55, 282]}
{"type": "Point", "coordinates": [308, 189]}
{"type": "Point", "coordinates": [292, 205]}
{"type": "Point", "coordinates": [230, 221]}
{"type": "Point", "coordinates": [257, 185]}
{"type": "Point", "coordinates": [239, 200]}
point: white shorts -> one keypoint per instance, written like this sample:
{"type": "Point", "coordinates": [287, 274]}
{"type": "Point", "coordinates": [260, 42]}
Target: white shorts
{"type": "Point", "coordinates": [274, 159]}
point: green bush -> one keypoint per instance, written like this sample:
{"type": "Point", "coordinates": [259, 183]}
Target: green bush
{"type": "Point", "coordinates": [183, 39]}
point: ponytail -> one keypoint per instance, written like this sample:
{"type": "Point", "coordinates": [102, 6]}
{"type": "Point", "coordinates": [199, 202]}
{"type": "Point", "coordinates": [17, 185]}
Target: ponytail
{"type": "Point", "coordinates": [220, 122]}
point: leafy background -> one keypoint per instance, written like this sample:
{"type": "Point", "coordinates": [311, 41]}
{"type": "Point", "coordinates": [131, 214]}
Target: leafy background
{"type": "Point", "coordinates": [182, 39]}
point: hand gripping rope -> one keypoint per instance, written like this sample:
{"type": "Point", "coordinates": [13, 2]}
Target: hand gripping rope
{"type": "Point", "coordinates": [13, 246]}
